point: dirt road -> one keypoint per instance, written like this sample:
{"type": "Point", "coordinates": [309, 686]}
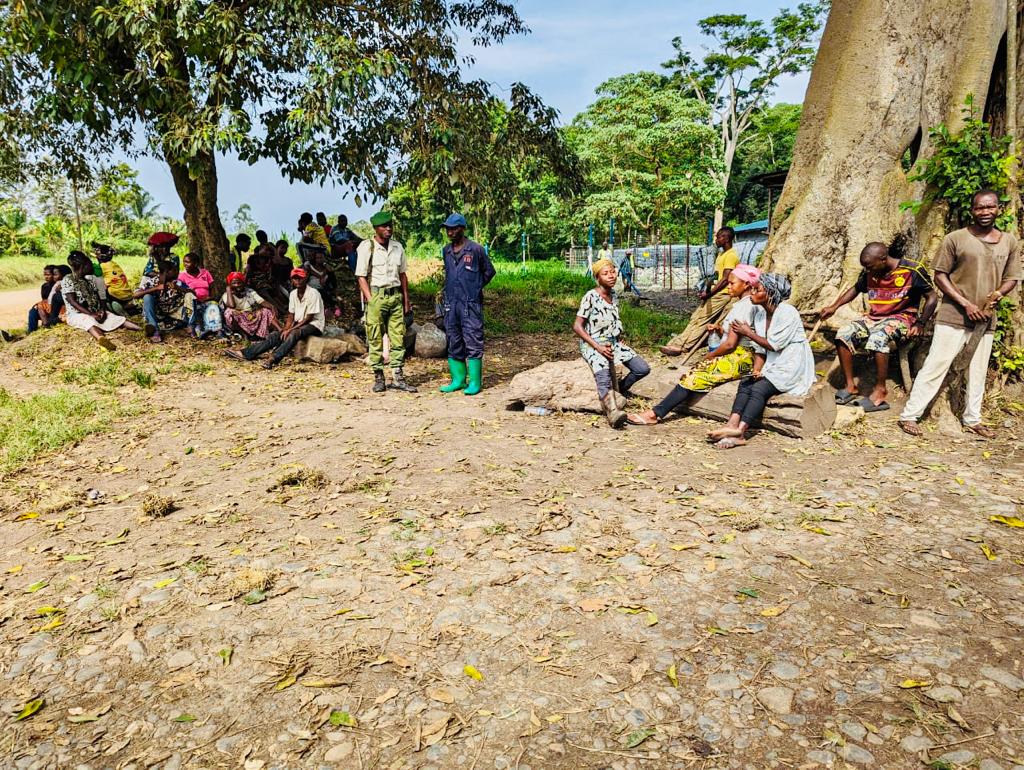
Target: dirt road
{"type": "Point", "coordinates": [14, 307]}
{"type": "Point", "coordinates": [425, 581]}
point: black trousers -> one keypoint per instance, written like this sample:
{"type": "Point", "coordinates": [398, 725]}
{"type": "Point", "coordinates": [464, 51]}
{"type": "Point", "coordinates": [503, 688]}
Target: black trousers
{"type": "Point", "coordinates": [675, 397]}
{"type": "Point", "coordinates": [751, 398]}
{"type": "Point", "coordinates": [282, 345]}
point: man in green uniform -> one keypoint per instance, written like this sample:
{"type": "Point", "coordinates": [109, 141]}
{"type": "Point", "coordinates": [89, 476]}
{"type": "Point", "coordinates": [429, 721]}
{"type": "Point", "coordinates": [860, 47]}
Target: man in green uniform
{"type": "Point", "coordinates": [380, 270]}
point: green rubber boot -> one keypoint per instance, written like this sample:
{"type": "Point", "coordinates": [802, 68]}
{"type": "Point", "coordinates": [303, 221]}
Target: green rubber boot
{"type": "Point", "coordinates": [476, 374]}
{"type": "Point", "coordinates": [458, 371]}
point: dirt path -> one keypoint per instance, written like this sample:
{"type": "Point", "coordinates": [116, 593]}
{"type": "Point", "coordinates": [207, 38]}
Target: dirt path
{"type": "Point", "coordinates": [432, 582]}
{"type": "Point", "coordinates": [14, 307]}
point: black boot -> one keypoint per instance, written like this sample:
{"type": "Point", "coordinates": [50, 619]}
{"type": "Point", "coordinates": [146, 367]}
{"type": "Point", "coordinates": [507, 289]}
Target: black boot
{"type": "Point", "coordinates": [378, 381]}
{"type": "Point", "coordinates": [398, 382]}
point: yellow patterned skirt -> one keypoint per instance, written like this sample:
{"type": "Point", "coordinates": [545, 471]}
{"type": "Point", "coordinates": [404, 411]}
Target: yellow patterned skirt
{"type": "Point", "coordinates": [708, 374]}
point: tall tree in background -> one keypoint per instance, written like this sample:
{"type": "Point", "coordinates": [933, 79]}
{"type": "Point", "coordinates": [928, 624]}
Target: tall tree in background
{"type": "Point", "coordinates": [648, 152]}
{"type": "Point", "coordinates": [767, 147]}
{"type": "Point", "coordinates": [362, 94]}
{"type": "Point", "coordinates": [735, 78]}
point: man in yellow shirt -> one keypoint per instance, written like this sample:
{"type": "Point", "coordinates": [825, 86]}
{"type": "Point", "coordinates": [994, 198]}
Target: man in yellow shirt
{"type": "Point", "coordinates": [716, 301]}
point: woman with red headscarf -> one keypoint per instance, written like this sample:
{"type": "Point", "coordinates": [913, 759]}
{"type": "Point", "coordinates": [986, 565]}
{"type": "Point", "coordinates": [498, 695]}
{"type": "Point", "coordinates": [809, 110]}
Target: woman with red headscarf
{"type": "Point", "coordinates": [730, 360]}
{"type": "Point", "coordinates": [245, 311]}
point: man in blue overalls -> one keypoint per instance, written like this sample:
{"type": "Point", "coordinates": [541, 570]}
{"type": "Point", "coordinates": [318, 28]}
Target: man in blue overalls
{"type": "Point", "coordinates": [467, 269]}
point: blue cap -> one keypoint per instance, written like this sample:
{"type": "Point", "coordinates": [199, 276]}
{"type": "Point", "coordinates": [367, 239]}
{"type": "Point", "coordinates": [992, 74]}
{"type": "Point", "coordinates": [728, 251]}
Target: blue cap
{"type": "Point", "coordinates": [455, 220]}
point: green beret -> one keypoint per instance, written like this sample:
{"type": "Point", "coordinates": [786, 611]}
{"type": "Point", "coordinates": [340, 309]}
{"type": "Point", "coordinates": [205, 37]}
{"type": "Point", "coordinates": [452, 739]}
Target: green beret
{"type": "Point", "coordinates": [381, 218]}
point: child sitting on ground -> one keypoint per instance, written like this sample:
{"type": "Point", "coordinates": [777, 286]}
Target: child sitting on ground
{"type": "Point", "coordinates": [119, 293]}
{"type": "Point", "coordinates": [598, 326]}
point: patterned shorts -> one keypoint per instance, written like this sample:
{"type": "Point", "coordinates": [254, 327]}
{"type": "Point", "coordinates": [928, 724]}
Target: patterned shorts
{"type": "Point", "coordinates": [874, 336]}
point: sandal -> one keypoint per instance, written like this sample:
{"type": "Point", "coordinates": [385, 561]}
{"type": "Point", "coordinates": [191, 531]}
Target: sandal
{"type": "Point", "coordinates": [981, 430]}
{"type": "Point", "coordinates": [844, 397]}
{"type": "Point", "coordinates": [106, 344]}
{"type": "Point", "coordinates": [910, 427]}
{"type": "Point", "coordinates": [235, 355]}
{"type": "Point", "coordinates": [730, 442]}
{"type": "Point", "coordinates": [870, 406]}
{"type": "Point", "coordinates": [638, 418]}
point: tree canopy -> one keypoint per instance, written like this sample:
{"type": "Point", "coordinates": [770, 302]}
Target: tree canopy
{"type": "Point", "coordinates": [365, 94]}
{"type": "Point", "coordinates": [648, 152]}
{"type": "Point", "coordinates": [737, 75]}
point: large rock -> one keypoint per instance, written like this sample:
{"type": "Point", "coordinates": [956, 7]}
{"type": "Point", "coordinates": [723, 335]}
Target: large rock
{"type": "Point", "coordinates": [356, 347]}
{"type": "Point", "coordinates": [322, 350]}
{"type": "Point", "coordinates": [569, 385]}
{"type": "Point", "coordinates": [565, 385]}
{"type": "Point", "coordinates": [431, 342]}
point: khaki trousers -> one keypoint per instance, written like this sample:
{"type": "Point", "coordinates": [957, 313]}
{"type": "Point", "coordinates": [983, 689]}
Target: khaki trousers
{"type": "Point", "coordinates": [947, 342]}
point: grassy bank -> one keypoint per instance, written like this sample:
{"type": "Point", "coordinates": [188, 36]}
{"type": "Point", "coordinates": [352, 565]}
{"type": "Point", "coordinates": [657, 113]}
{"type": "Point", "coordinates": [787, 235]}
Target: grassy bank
{"type": "Point", "coordinates": [544, 297]}
{"type": "Point", "coordinates": [21, 272]}
{"type": "Point", "coordinates": [44, 422]}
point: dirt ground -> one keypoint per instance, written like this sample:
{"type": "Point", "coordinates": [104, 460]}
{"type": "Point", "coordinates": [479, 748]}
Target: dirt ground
{"type": "Point", "coordinates": [427, 581]}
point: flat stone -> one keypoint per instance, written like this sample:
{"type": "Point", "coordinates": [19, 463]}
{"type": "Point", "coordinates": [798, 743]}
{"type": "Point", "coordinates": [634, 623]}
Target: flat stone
{"type": "Point", "coordinates": [777, 699]}
{"type": "Point", "coordinates": [785, 671]}
{"type": "Point", "coordinates": [722, 682]}
{"type": "Point", "coordinates": [87, 602]}
{"type": "Point", "coordinates": [989, 764]}
{"type": "Point", "coordinates": [944, 694]}
{"type": "Point", "coordinates": [961, 757]}
{"type": "Point", "coordinates": [1005, 678]}
{"type": "Point", "coordinates": [340, 752]}
{"type": "Point", "coordinates": [913, 744]}
{"type": "Point", "coordinates": [180, 659]}
{"type": "Point", "coordinates": [157, 596]}
{"type": "Point", "coordinates": [826, 758]}
{"type": "Point", "coordinates": [854, 730]}
{"type": "Point", "coordinates": [851, 752]}
{"type": "Point", "coordinates": [925, 620]}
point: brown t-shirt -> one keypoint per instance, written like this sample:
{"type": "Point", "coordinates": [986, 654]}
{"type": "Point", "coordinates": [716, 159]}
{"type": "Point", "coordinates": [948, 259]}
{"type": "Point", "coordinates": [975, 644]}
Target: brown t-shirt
{"type": "Point", "coordinates": [977, 269]}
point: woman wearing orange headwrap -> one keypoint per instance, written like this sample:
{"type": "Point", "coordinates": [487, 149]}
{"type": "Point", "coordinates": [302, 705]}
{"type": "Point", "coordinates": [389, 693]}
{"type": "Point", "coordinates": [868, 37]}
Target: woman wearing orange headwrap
{"type": "Point", "coordinates": [730, 360]}
{"type": "Point", "coordinates": [245, 311]}
{"type": "Point", "coordinates": [598, 326]}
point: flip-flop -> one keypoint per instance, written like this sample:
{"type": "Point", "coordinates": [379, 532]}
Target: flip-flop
{"type": "Point", "coordinates": [636, 419]}
{"type": "Point", "coordinates": [910, 427]}
{"type": "Point", "coordinates": [869, 406]}
{"type": "Point", "coordinates": [234, 354]}
{"type": "Point", "coordinates": [844, 397]}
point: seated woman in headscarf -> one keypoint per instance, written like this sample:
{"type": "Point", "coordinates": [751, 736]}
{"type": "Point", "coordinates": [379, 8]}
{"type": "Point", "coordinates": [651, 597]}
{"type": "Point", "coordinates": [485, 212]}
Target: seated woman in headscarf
{"type": "Point", "coordinates": [163, 301]}
{"type": "Point", "coordinates": [245, 311]}
{"type": "Point", "coordinates": [204, 319]}
{"type": "Point", "coordinates": [598, 326]}
{"type": "Point", "coordinates": [732, 359]}
{"type": "Point", "coordinates": [783, 362]}
{"type": "Point", "coordinates": [259, 276]}
{"type": "Point", "coordinates": [84, 297]}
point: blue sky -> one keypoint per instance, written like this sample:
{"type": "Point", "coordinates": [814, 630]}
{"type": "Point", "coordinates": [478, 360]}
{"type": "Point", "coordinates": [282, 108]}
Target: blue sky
{"type": "Point", "coordinates": [574, 46]}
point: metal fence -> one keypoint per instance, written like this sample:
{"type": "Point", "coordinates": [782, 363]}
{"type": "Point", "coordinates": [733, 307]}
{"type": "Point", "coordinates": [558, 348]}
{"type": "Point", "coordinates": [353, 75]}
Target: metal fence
{"type": "Point", "coordinates": [678, 267]}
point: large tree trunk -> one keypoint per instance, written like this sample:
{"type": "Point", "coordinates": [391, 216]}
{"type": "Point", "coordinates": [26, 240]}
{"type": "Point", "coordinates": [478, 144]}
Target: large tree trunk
{"type": "Point", "coordinates": [196, 184]}
{"type": "Point", "coordinates": [885, 73]}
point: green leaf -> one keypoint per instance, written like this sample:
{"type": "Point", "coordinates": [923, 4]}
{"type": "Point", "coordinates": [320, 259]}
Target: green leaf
{"type": "Point", "coordinates": [637, 737]}
{"type": "Point", "coordinates": [342, 719]}
{"type": "Point", "coordinates": [254, 597]}
{"type": "Point", "coordinates": [225, 655]}
{"type": "Point", "coordinates": [185, 718]}
{"type": "Point", "coordinates": [29, 709]}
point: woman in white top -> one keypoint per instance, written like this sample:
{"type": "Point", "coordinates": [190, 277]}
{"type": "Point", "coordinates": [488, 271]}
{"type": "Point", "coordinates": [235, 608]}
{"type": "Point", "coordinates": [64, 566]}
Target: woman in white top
{"type": "Point", "coordinates": [783, 362]}
{"type": "Point", "coordinates": [731, 360]}
{"type": "Point", "coordinates": [84, 297]}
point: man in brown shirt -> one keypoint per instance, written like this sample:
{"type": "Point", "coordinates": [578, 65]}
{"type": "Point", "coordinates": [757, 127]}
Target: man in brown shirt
{"type": "Point", "coordinates": [975, 268]}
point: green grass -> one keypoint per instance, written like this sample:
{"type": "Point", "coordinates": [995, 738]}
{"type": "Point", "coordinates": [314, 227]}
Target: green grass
{"type": "Point", "coordinates": [110, 371]}
{"type": "Point", "coordinates": [45, 422]}
{"type": "Point", "coordinates": [21, 272]}
{"type": "Point", "coordinates": [544, 297]}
